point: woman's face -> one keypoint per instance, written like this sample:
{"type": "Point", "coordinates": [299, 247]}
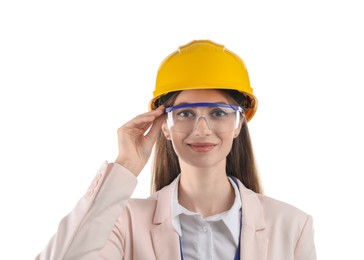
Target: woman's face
{"type": "Point", "coordinates": [202, 147]}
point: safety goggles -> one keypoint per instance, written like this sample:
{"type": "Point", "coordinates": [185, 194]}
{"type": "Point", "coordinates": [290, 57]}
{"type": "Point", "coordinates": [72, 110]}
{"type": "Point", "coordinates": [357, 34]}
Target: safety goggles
{"type": "Point", "coordinates": [218, 117]}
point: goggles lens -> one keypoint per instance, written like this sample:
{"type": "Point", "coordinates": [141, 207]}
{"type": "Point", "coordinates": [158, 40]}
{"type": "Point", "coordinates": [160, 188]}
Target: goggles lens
{"type": "Point", "coordinates": [218, 117]}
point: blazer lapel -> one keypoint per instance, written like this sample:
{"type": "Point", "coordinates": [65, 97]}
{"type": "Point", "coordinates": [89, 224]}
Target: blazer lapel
{"type": "Point", "coordinates": [254, 245]}
{"type": "Point", "coordinates": [254, 241]}
{"type": "Point", "coordinates": [165, 242]}
{"type": "Point", "coordinates": [165, 239]}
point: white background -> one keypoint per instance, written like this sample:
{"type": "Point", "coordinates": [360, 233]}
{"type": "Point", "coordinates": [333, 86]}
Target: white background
{"type": "Point", "coordinates": [72, 72]}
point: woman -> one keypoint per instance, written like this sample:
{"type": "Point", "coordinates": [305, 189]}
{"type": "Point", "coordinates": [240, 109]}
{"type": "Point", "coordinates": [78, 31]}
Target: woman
{"type": "Point", "coordinates": [206, 201]}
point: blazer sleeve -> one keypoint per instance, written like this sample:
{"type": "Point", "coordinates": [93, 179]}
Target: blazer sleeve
{"type": "Point", "coordinates": [86, 231]}
{"type": "Point", "coordinates": [305, 247]}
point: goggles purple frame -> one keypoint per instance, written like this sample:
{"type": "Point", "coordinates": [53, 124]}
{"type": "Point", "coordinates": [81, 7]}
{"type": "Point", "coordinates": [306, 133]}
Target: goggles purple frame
{"type": "Point", "coordinates": [204, 104]}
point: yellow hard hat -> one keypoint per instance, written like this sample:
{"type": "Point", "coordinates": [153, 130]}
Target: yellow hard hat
{"type": "Point", "coordinates": [204, 64]}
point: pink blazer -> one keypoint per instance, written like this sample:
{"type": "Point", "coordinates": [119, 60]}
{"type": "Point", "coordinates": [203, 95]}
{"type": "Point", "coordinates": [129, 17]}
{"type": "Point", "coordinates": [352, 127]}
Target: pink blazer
{"type": "Point", "coordinates": [107, 224]}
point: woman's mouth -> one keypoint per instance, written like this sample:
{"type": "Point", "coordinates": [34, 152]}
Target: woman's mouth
{"type": "Point", "coordinates": [202, 147]}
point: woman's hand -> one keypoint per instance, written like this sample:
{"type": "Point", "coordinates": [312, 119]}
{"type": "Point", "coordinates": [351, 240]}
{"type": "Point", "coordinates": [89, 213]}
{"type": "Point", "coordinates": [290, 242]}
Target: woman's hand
{"type": "Point", "coordinates": [135, 145]}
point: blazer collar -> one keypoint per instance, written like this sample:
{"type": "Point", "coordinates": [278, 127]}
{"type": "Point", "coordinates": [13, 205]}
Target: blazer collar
{"type": "Point", "coordinates": [165, 239]}
{"type": "Point", "coordinates": [163, 209]}
{"type": "Point", "coordinates": [254, 241]}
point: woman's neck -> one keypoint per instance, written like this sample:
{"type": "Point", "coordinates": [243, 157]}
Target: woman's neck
{"type": "Point", "coordinates": [205, 191]}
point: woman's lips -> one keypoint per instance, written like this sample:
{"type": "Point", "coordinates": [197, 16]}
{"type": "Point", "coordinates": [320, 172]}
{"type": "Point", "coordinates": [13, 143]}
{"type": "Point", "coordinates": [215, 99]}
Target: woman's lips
{"type": "Point", "coordinates": [202, 147]}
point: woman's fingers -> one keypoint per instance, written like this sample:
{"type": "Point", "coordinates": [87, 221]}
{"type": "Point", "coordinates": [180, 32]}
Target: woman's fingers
{"type": "Point", "coordinates": [155, 128]}
{"type": "Point", "coordinates": [143, 122]}
{"type": "Point", "coordinates": [136, 139]}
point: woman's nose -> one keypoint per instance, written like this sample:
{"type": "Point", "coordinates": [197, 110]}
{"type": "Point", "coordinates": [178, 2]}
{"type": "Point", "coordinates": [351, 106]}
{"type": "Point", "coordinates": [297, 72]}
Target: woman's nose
{"type": "Point", "coordinates": [202, 125]}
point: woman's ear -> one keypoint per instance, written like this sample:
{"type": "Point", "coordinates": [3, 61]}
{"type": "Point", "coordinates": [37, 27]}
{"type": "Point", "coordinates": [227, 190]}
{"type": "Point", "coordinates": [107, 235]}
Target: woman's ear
{"type": "Point", "coordinates": [165, 131]}
{"type": "Point", "coordinates": [237, 131]}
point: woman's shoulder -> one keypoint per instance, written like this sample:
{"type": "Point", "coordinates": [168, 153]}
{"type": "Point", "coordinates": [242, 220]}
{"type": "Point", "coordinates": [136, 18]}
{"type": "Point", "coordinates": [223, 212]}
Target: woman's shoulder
{"type": "Point", "coordinates": [281, 214]}
{"type": "Point", "coordinates": [141, 206]}
{"type": "Point", "coordinates": [276, 206]}
{"type": "Point", "coordinates": [158, 203]}
{"type": "Point", "coordinates": [271, 207]}
{"type": "Point", "coordinates": [144, 203]}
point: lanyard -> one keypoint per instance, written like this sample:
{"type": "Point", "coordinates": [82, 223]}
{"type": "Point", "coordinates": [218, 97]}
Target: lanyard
{"type": "Point", "coordinates": [237, 254]}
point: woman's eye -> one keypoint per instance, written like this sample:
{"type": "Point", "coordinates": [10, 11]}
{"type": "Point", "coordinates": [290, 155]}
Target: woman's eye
{"type": "Point", "coordinates": [185, 113]}
{"type": "Point", "coordinates": [218, 113]}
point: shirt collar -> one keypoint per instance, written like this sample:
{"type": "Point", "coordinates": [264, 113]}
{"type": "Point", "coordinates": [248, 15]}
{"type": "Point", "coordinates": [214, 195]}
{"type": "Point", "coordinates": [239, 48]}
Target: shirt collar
{"type": "Point", "coordinates": [231, 218]}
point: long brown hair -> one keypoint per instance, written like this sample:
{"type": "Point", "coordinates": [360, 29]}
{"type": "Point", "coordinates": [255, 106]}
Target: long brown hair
{"type": "Point", "coordinates": [240, 162]}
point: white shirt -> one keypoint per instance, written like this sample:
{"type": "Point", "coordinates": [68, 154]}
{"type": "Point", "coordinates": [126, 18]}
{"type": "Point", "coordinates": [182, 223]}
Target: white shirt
{"type": "Point", "coordinates": [214, 237]}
